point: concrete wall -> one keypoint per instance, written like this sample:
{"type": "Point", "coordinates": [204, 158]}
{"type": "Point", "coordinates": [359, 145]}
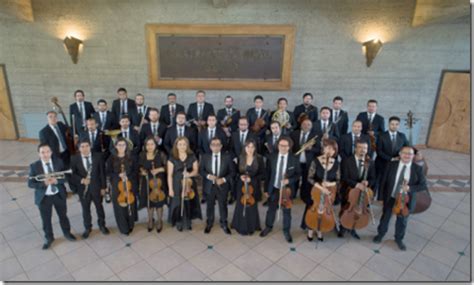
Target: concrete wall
{"type": "Point", "coordinates": [328, 60]}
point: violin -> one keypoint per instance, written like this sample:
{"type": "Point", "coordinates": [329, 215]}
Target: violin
{"type": "Point", "coordinates": [247, 195]}
{"type": "Point", "coordinates": [373, 144]}
{"type": "Point", "coordinates": [156, 186]}
{"type": "Point", "coordinates": [259, 123]}
{"type": "Point", "coordinates": [284, 201]}
{"type": "Point", "coordinates": [125, 197]}
{"type": "Point", "coordinates": [187, 192]}
{"type": "Point", "coordinates": [401, 202]}
{"type": "Point", "coordinates": [71, 139]}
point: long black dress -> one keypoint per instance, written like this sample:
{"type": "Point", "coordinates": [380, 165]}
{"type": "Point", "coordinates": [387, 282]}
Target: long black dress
{"type": "Point", "coordinates": [316, 175]}
{"type": "Point", "coordinates": [251, 222]}
{"type": "Point", "coordinates": [192, 208]}
{"type": "Point", "coordinates": [125, 220]}
{"type": "Point", "coordinates": [143, 162]}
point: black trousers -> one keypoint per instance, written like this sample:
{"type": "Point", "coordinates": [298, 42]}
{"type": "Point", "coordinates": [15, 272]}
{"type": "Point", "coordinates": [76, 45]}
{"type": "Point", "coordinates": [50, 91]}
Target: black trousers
{"type": "Point", "coordinates": [305, 189]}
{"type": "Point", "coordinates": [46, 212]}
{"type": "Point", "coordinates": [86, 209]}
{"type": "Point", "coordinates": [220, 195]}
{"type": "Point", "coordinates": [400, 225]}
{"type": "Point", "coordinates": [273, 200]}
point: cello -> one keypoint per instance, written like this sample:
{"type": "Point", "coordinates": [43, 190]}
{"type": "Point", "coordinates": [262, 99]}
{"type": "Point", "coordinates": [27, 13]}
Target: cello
{"type": "Point", "coordinates": [247, 194]}
{"type": "Point", "coordinates": [125, 197]}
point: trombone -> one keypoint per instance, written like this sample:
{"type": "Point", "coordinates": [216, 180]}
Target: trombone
{"type": "Point", "coordinates": [46, 176]}
{"type": "Point", "coordinates": [307, 144]}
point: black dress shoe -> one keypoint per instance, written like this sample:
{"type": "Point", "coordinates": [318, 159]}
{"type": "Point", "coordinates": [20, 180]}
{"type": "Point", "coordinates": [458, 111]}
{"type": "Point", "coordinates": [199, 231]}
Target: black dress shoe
{"type": "Point", "coordinates": [70, 237]}
{"type": "Point", "coordinates": [86, 233]}
{"type": "Point", "coordinates": [158, 230]}
{"type": "Point", "coordinates": [104, 230]}
{"type": "Point", "coordinates": [340, 233]}
{"type": "Point", "coordinates": [47, 244]}
{"type": "Point", "coordinates": [288, 237]}
{"type": "Point", "coordinates": [309, 238]}
{"type": "Point", "coordinates": [265, 203]}
{"type": "Point", "coordinates": [226, 230]}
{"type": "Point", "coordinates": [231, 200]}
{"type": "Point", "coordinates": [189, 228]}
{"type": "Point", "coordinates": [377, 239]}
{"type": "Point", "coordinates": [207, 229]}
{"type": "Point", "coordinates": [149, 229]}
{"type": "Point", "coordinates": [265, 232]}
{"type": "Point", "coordinates": [203, 201]}
{"type": "Point", "coordinates": [401, 245]}
{"type": "Point", "coordinates": [179, 228]}
{"type": "Point", "coordinates": [355, 235]}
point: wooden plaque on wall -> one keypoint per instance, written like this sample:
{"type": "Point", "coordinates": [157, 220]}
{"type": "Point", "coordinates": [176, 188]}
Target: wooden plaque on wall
{"type": "Point", "coordinates": [451, 122]}
{"type": "Point", "coordinates": [257, 57]}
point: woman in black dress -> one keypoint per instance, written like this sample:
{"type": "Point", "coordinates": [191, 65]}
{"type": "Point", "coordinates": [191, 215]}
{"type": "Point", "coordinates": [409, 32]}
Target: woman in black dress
{"type": "Point", "coordinates": [152, 165]}
{"type": "Point", "coordinates": [121, 165]}
{"type": "Point", "coordinates": [316, 176]}
{"type": "Point", "coordinates": [251, 168]}
{"type": "Point", "coordinates": [183, 164]}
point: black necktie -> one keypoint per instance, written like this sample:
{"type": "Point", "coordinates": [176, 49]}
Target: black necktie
{"type": "Point", "coordinates": [394, 143]}
{"type": "Point", "coordinates": [303, 139]}
{"type": "Point", "coordinates": [242, 139]}
{"type": "Point", "coordinates": [92, 139]}
{"type": "Point", "coordinates": [172, 111]}
{"type": "Point", "coordinates": [102, 121]}
{"type": "Point", "coordinates": [125, 134]}
{"type": "Point", "coordinates": [60, 136]}
{"type": "Point", "coordinates": [324, 127]}
{"type": "Point", "coordinates": [123, 107]}
{"type": "Point", "coordinates": [400, 181]}
{"type": "Point", "coordinates": [361, 168]}
{"type": "Point", "coordinates": [88, 163]}
{"type": "Point", "coordinates": [211, 135]}
{"type": "Point", "coordinates": [54, 189]}
{"type": "Point", "coordinates": [216, 165]}
{"type": "Point", "coordinates": [181, 132]}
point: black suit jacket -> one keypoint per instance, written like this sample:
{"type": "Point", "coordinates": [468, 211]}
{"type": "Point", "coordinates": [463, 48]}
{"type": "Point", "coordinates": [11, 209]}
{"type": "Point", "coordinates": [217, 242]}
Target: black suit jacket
{"type": "Point", "coordinates": [146, 131]}
{"type": "Point", "coordinates": [203, 140]}
{"type": "Point", "coordinates": [101, 141]}
{"type": "Point", "coordinates": [293, 171]}
{"type": "Point", "coordinates": [165, 116]}
{"type": "Point", "coordinates": [343, 123]}
{"type": "Point", "coordinates": [110, 121]}
{"type": "Point", "coordinates": [78, 120]}
{"type": "Point", "coordinates": [131, 109]}
{"type": "Point", "coordinates": [312, 112]}
{"type": "Point", "coordinates": [350, 174]}
{"type": "Point", "coordinates": [385, 152]}
{"type": "Point", "coordinates": [193, 111]}
{"type": "Point", "coordinates": [46, 135]}
{"type": "Point", "coordinates": [234, 125]}
{"type": "Point", "coordinates": [345, 145]}
{"type": "Point", "coordinates": [417, 181]}
{"type": "Point", "coordinates": [333, 130]}
{"type": "Point", "coordinates": [36, 168]}
{"type": "Point", "coordinates": [235, 145]}
{"type": "Point", "coordinates": [226, 170]}
{"type": "Point", "coordinates": [378, 123]}
{"type": "Point", "coordinates": [79, 172]}
{"type": "Point", "coordinates": [172, 134]}
{"type": "Point", "coordinates": [252, 117]}
{"type": "Point", "coordinates": [134, 137]}
{"type": "Point", "coordinates": [147, 113]}
{"type": "Point", "coordinates": [311, 152]}
{"type": "Point", "coordinates": [270, 147]}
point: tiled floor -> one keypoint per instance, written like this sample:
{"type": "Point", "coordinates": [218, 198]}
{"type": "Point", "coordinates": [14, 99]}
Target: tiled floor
{"type": "Point", "coordinates": [438, 243]}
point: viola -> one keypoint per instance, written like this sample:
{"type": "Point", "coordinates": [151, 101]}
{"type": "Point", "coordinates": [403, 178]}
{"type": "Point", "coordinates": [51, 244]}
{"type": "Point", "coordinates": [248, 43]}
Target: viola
{"type": "Point", "coordinates": [125, 197]}
{"type": "Point", "coordinates": [247, 194]}
{"type": "Point", "coordinates": [401, 203]}
{"type": "Point", "coordinates": [156, 185]}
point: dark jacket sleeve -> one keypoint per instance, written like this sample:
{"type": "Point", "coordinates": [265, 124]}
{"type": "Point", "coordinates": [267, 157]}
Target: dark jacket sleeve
{"type": "Point", "coordinates": [32, 183]}
{"type": "Point", "coordinates": [421, 181]}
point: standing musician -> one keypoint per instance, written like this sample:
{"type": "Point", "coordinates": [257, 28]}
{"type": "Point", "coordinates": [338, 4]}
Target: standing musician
{"type": "Point", "coordinates": [179, 130]}
{"type": "Point", "coordinates": [307, 108]}
{"type": "Point", "coordinates": [182, 170]}
{"type": "Point", "coordinates": [154, 190]}
{"type": "Point", "coordinates": [205, 136]}
{"type": "Point", "coordinates": [250, 170]}
{"type": "Point", "coordinates": [81, 110]}
{"type": "Point", "coordinates": [88, 175]}
{"type": "Point", "coordinates": [347, 142]}
{"type": "Point", "coordinates": [130, 134]}
{"type": "Point", "coordinates": [316, 177]}
{"type": "Point", "coordinates": [400, 176]}
{"type": "Point", "coordinates": [352, 176]}
{"type": "Point", "coordinates": [285, 118]}
{"type": "Point", "coordinates": [169, 111]}
{"type": "Point", "coordinates": [271, 140]}
{"type": "Point", "coordinates": [200, 110]}
{"type": "Point", "coordinates": [339, 116]}
{"type": "Point", "coordinates": [228, 117]}
{"type": "Point", "coordinates": [217, 171]}
{"type": "Point", "coordinates": [142, 110]}
{"type": "Point", "coordinates": [50, 192]}
{"type": "Point", "coordinates": [372, 123]}
{"type": "Point", "coordinates": [99, 143]}
{"type": "Point", "coordinates": [54, 135]}
{"type": "Point", "coordinates": [125, 106]}
{"type": "Point", "coordinates": [258, 118]}
{"type": "Point", "coordinates": [153, 128]}
{"type": "Point", "coordinates": [283, 170]}
{"type": "Point", "coordinates": [121, 168]}
{"type": "Point", "coordinates": [104, 117]}
{"type": "Point", "coordinates": [324, 127]}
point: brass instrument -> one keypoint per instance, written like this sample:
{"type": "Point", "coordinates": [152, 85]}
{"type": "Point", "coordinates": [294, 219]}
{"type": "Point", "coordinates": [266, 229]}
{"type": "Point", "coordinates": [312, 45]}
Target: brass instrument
{"type": "Point", "coordinates": [114, 133]}
{"type": "Point", "coordinates": [307, 144]}
{"type": "Point", "coordinates": [282, 117]}
{"type": "Point", "coordinates": [46, 176]}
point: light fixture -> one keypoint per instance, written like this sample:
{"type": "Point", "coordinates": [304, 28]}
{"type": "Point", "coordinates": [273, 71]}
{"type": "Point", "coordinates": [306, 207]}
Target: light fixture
{"type": "Point", "coordinates": [72, 46]}
{"type": "Point", "coordinates": [371, 49]}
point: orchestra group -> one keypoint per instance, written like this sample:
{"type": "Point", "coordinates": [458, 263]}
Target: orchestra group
{"type": "Point", "coordinates": [137, 156]}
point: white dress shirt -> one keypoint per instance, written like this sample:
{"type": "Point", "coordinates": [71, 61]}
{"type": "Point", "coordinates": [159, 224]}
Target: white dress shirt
{"type": "Point", "coordinates": [49, 190]}
{"type": "Point", "coordinates": [399, 171]}
{"type": "Point", "coordinates": [285, 161]}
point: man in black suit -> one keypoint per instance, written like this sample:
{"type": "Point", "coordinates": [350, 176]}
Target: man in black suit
{"type": "Point", "coordinates": [307, 108]}
{"type": "Point", "coordinates": [324, 127]}
{"type": "Point", "coordinates": [258, 112]}
{"type": "Point", "coordinates": [206, 134]}
{"type": "Point", "coordinates": [271, 140]}
{"type": "Point", "coordinates": [283, 169]}
{"type": "Point", "coordinates": [169, 111]}
{"type": "Point", "coordinates": [372, 123]}
{"type": "Point", "coordinates": [300, 137]}
{"type": "Point", "coordinates": [396, 174]}
{"type": "Point", "coordinates": [125, 106]}
{"type": "Point", "coordinates": [54, 135]}
{"type": "Point", "coordinates": [142, 110]}
{"type": "Point", "coordinates": [80, 110]}
{"type": "Point", "coordinates": [353, 175]}
{"type": "Point", "coordinates": [50, 192]}
{"type": "Point", "coordinates": [104, 117]}
{"type": "Point", "coordinates": [217, 171]}
{"type": "Point", "coordinates": [239, 137]}
{"type": "Point", "coordinates": [228, 113]}
{"type": "Point", "coordinates": [347, 142]}
{"type": "Point", "coordinates": [200, 110]}
{"type": "Point", "coordinates": [389, 144]}
{"type": "Point", "coordinates": [290, 125]}
{"type": "Point", "coordinates": [154, 128]}
{"type": "Point", "coordinates": [99, 143]}
{"type": "Point", "coordinates": [339, 116]}
{"type": "Point", "coordinates": [180, 130]}
{"type": "Point", "coordinates": [88, 175]}
{"type": "Point", "coordinates": [130, 134]}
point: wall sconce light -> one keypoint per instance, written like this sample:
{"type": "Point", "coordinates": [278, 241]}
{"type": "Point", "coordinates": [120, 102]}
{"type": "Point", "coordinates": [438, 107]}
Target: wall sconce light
{"type": "Point", "coordinates": [371, 49]}
{"type": "Point", "coordinates": [72, 46]}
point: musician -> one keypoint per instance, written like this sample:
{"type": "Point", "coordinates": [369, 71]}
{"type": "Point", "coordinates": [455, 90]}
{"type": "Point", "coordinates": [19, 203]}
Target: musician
{"type": "Point", "coordinates": [122, 166]}
{"type": "Point", "coordinates": [224, 114]}
{"type": "Point", "coordinates": [392, 184]}
{"type": "Point", "coordinates": [324, 127]}
{"type": "Point", "coordinates": [239, 137]}
{"type": "Point", "coordinates": [200, 110]}
{"type": "Point", "coordinates": [88, 170]}
{"type": "Point", "coordinates": [283, 168]}
{"type": "Point", "coordinates": [125, 106]}
{"type": "Point", "coordinates": [217, 171]}
{"type": "Point", "coordinates": [130, 134]}
{"type": "Point", "coordinates": [339, 116]}
{"type": "Point", "coordinates": [271, 140]}
{"type": "Point", "coordinates": [153, 128]}
{"type": "Point", "coordinates": [306, 108]}
{"type": "Point", "coordinates": [99, 143]}
{"type": "Point", "coordinates": [211, 131]}
{"type": "Point", "coordinates": [182, 163]}
{"type": "Point", "coordinates": [179, 130]}
{"type": "Point", "coordinates": [289, 125]}
{"type": "Point", "coordinates": [54, 135]}
{"type": "Point", "coordinates": [152, 165]}
{"type": "Point", "coordinates": [352, 176]}
{"type": "Point", "coordinates": [80, 110]}
{"type": "Point", "coordinates": [169, 111]}
{"type": "Point", "coordinates": [302, 138]}
{"type": "Point", "coordinates": [372, 123]}
{"type": "Point", "coordinates": [48, 193]}
{"type": "Point", "coordinates": [316, 175]}
{"type": "Point", "coordinates": [142, 110]}
{"type": "Point", "coordinates": [257, 114]}
{"type": "Point", "coordinates": [347, 142]}
{"type": "Point", "coordinates": [251, 169]}
{"type": "Point", "coordinates": [104, 117]}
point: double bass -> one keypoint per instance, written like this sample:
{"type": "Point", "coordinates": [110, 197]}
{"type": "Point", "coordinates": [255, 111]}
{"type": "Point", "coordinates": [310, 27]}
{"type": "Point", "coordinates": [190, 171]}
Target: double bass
{"type": "Point", "coordinates": [71, 139]}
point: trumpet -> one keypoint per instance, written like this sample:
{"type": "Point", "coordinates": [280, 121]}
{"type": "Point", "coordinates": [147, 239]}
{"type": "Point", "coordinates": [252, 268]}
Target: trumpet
{"type": "Point", "coordinates": [57, 175]}
{"type": "Point", "coordinates": [307, 144]}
